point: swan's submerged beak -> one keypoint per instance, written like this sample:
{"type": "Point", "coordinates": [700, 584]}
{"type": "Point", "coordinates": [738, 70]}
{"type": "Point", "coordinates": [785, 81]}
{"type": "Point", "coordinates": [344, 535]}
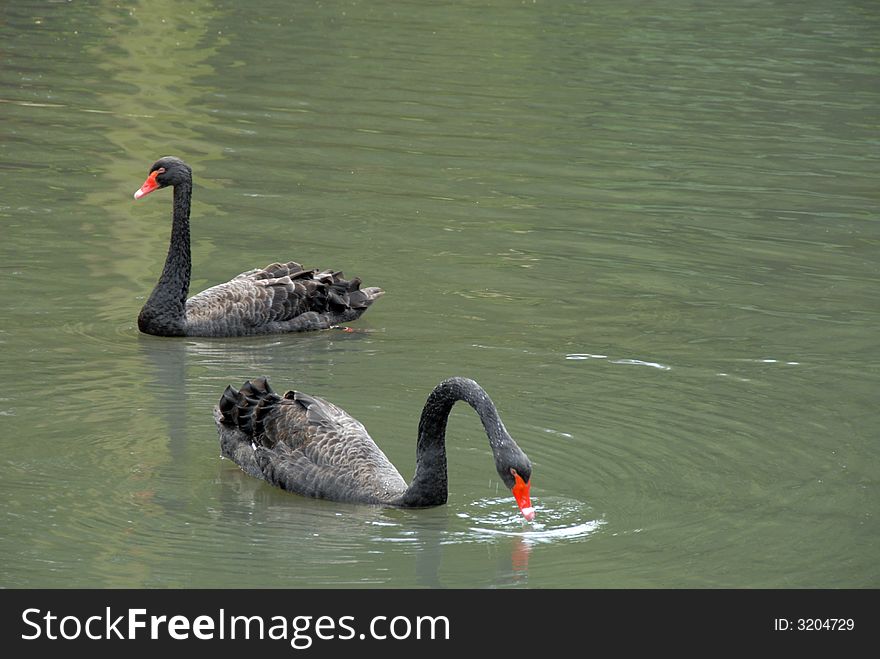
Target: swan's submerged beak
{"type": "Point", "coordinates": [521, 494]}
{"type": "Point", "coordinates": [149, 185]}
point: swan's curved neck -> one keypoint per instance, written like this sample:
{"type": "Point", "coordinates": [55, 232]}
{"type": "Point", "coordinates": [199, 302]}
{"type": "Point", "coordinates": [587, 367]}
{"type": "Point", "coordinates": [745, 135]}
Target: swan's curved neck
{"type": "Point", "coordinates": [429, 484]}
{"type": "Point", "coordinates": [165, 310]}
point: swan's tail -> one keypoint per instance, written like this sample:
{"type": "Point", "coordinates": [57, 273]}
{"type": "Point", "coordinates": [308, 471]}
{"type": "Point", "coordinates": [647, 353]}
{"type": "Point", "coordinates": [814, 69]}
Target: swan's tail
{"type": "Point", "coordinates": [361, 298]}
{"type": "Point", "coordinates": [311, 299]}
{"type": "Point", "coordinates": [245, 409]}
{"type": "Point", "coordinates": [346, 294]}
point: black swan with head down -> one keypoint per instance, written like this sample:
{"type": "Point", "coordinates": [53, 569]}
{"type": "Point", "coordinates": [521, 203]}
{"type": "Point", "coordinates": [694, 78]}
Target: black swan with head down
{"type": "Point", "coordinates": [278, 298]}
{"type": "Point", "coordinates": [304, 444]}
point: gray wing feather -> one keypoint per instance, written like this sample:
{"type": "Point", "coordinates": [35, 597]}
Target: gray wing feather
{"type": "Point", "coordinates": [277, 298]}
{"type": "Point", "coordinates": [306, 445]}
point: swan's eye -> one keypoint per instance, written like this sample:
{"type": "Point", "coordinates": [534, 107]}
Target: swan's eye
{"type": "Point", "coordinates": [516, 474]}
{"type": "Point", "coordinates": [161, 170]}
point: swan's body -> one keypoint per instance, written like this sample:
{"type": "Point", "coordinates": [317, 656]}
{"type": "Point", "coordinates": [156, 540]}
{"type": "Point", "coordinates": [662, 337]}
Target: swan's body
{"type": "Point", "coordinates": [304, 444]}
{"type": "Point", "coordinates": [277, 298]}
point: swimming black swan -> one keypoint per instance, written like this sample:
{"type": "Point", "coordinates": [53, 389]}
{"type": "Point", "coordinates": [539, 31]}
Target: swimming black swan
{"type": "Point", "coordinates": [277, 298]}
{"type": "Point", "coordinates": [304, 444]}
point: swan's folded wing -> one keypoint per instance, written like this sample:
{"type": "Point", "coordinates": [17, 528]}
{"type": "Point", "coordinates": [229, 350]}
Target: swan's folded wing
{"type": "Point", "coordinates": [276, 270]}
{"type": "Point", "coordinates": [279, 293]}
{"type": "Point", "coordinates": [319, 450]}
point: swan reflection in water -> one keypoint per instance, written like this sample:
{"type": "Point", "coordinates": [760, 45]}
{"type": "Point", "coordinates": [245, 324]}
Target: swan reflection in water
{"type": "Point", "coordinates": [332, 543]}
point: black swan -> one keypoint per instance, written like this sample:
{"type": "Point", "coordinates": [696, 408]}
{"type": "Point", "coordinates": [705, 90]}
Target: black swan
{"type": "Point", "coordinates": [277, 298]}
{"type": "Point", "coordinates": [304, 444]}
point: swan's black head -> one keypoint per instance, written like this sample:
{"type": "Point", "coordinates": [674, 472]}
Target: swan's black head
{"type": "Point", "coordinates": [515, 471]}
{"type": "Point", "coordinates": [164, 172]}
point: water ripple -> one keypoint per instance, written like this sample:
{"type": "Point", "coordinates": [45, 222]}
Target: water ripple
{"type": "Point", "coordinates": [583, 356]}
{"type": "Point", "coordinates": [558, 519]}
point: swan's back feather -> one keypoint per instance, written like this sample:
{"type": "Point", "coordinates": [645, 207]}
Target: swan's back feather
{"type": "Point", "coordinates": [277, 298]}
{"type": "Point", "coordinates": [304, 444]}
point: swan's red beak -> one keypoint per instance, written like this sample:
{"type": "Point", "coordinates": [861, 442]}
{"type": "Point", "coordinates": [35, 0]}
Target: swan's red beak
{"type": "Point", "coordinates": [521, 494]}
{"type": "Point", "coordinates": [149, 185]}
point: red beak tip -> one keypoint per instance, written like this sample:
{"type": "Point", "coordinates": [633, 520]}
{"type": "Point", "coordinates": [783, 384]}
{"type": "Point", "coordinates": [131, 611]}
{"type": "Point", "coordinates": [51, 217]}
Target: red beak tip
{"type": "Point", "coordinates": [149, 185]}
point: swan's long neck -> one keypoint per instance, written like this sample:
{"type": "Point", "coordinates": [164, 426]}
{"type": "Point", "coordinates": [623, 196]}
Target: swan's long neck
{"type": "Point", "coordinates": [165, 310]}
{"type": "Point", "coordinates": [429, 484]}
